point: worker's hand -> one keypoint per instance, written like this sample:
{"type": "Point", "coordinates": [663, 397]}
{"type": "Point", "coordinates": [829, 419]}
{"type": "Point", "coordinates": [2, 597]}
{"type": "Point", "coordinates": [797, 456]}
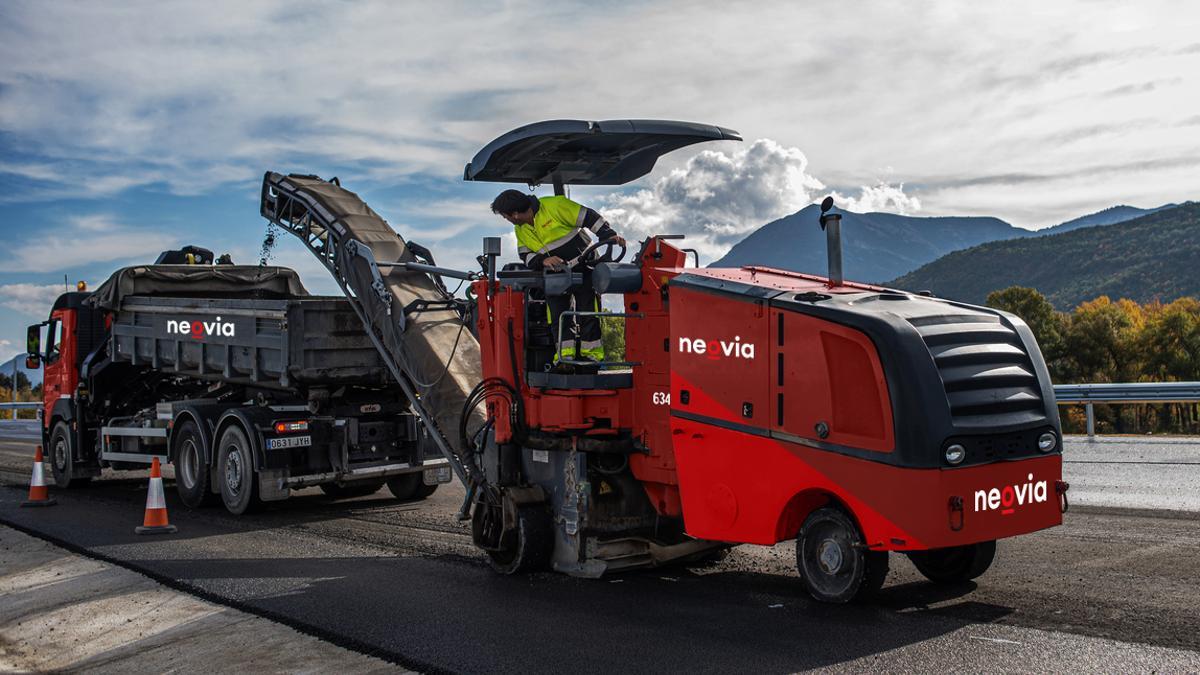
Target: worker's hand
{"type": "Point", "coordinates": [554, 262]}
{"type": "Point", "coordinates": [618, 240]}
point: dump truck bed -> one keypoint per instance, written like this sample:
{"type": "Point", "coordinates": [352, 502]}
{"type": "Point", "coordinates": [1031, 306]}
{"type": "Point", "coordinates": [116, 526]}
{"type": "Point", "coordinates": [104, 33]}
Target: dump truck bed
{"type": "Point", "coordinates": [276, 343]}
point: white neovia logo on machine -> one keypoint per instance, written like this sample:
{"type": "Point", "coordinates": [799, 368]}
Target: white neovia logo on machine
{"type": "Point", "coordinates": [1009, 497]}
{"type": "Point", "coordinates": [200, 329]}
{"type": "Point", "coordinates": [714, 350]}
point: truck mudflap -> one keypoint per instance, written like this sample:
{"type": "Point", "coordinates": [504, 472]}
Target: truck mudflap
{"type": "Point", "coordinates": [761, 492]}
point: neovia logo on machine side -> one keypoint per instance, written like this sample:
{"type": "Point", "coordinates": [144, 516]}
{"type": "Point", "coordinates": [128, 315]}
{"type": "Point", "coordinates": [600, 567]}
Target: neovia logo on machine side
{"type": "Point", "coordinates": [715, 350]}
{"type": "Point", "coordinates": [200, 329]}
{"type": "Point", "coordinates": [1009, 497]}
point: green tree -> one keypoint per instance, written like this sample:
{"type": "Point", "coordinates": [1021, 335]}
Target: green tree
{"type": "Point", "coordinates": [1048, 325]}
{"type": "Point", "coordinates": [1171, 341]}
{"type": "Point", "coordinates": [1101, 342]}
{"type": "Point", "coordinates": [612, 333]}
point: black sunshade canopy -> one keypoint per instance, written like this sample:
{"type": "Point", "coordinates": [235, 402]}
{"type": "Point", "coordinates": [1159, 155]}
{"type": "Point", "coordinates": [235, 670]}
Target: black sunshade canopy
{"type": "Point", "coordinates": [612, 152]}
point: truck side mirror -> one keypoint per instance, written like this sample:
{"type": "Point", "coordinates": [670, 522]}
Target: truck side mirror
{"type": "Point", "coordinates": [33, 346]}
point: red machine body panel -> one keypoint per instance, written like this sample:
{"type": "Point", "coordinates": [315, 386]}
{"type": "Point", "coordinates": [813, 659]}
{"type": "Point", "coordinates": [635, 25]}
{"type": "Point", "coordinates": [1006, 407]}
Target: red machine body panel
{"type": "Point", "coordinates": [776, 413]}
{"type": "Point", "coordinates": [746, 488]}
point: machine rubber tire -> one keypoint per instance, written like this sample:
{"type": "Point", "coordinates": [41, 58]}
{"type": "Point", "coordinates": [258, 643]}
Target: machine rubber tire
{"type": "Point", "coordinates": [348, 490]}
{"type": "Point", "coordinates": [235, 471]}
{"type": "Point", "coordinates": [62, 459]}
{"type": "Point", "coordinates": [526, 548]}
{"type": "Point", "coordinates": [410, 487]}
{"type": "Point", "coordinates": [832, 561]}
{"type": "Point", "coordinates": [954, 565]}
{"type": "Point", "coordinates": [192, 469]}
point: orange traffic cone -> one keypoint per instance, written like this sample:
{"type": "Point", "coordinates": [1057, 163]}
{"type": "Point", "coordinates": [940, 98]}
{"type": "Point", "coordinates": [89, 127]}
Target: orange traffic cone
{"type": "Point", "coordinates": [39, 494]}
{"type": "Point", "coordinates": [155, 521]}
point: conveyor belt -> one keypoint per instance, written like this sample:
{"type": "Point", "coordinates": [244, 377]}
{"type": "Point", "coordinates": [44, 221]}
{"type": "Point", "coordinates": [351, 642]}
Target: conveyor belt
{"type": "Point", "coordinates": [431, 352]}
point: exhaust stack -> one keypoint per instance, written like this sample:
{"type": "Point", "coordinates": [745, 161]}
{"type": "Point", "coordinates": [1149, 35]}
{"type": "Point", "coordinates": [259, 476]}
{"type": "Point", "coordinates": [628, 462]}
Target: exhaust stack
{"type": "Point", "coordinates": [832, 224]}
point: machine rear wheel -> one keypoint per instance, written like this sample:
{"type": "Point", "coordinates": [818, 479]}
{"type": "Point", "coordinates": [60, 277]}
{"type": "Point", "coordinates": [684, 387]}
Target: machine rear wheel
{"type": "Point", "coordinates": [954, 565]}
{"type": "Point", "coordinates": [235, 472]}
{"type": "Point", "coordinates": [192, 471]}
{"type": "Point", "coordinates": [348, 490]}
{"type": "Point", "coordinates": [410, 487]}
{"type": "Point", "coordinates": [832, 560]}
{"type": "Point", "coordinates": [524, 548]}
{"type": "Point", "coordinates": [62, 458]}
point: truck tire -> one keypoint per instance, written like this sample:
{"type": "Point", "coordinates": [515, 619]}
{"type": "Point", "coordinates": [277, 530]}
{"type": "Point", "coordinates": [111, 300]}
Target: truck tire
{"type": "Point", "coordinates": [410, 487]}
{"type": "Point", "coordinates": [235, 471]}
{"type": "Point", "coordinates": [348, 490]}
{"type": "Point", "coordinates": [62, 458]}
{"type": "Point", "coordinates": [192, 469]}
{"type": "Point", "coordinates": [956, 564]}
{"type": "Point", "coordinates": [832, 561]}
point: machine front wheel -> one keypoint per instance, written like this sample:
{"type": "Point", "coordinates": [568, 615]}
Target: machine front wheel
{"type": "Point", "coordinates": [956, 564]}
{"type": "Point", "coordinates": [524, 548]}
{"type": "Point", "coordinates": [833, 562]}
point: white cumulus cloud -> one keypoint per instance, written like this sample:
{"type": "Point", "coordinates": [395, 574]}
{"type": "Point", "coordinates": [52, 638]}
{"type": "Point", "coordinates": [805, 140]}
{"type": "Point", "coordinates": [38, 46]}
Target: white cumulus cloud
{"type": "Point", "coordinates": [718, 197]}
{"type": "Point", "coordinates": [30, 299]}
{"type": "Point", "coordinates": [879, 197]}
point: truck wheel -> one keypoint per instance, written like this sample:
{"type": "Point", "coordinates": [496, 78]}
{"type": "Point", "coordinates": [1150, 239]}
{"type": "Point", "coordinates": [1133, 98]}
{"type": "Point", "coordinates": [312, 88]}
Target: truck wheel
{"type": "Point", "coordinates": [62, 458]}
{"type": "Point", "coordinates": [954, 565]}
{"type": "Point", "coordinates": [410, 487]}
{"type": "Point", "coordinates": [525, 548]}
{"type": "Point", "coordinates": [191, 466]}
{"type": "Point", "coordinates": [832, 561]}
{"type": "Point", "coordinates": [235, 471]}
{"type": "Point", "coordinates": [348, 490]}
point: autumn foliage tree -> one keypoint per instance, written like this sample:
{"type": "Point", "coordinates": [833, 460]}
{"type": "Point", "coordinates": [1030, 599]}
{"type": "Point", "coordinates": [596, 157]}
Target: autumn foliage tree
{"type": "Point", "coordinates": [1122, 341]}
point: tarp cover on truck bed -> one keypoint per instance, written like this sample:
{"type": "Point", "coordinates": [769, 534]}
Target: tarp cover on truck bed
{"type": "Point", "coordinates": [197, 281]}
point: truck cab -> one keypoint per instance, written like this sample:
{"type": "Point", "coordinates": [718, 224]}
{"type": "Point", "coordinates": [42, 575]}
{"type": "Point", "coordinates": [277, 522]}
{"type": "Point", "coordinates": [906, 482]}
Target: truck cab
{"type": "Point", "coordinates": [61, 345]}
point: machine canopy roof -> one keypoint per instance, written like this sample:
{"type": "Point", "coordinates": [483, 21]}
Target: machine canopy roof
{"type": "Point", "coordinates": [577, 152]}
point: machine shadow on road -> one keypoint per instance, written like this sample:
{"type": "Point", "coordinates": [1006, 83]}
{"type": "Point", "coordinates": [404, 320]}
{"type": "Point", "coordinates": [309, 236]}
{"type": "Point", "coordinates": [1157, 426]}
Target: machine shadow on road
{"type": "Point", "coordinates": [761, 619]}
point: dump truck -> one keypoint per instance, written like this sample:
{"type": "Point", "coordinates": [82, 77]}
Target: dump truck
{"type": "Point", "coordinates": [755, 405]}
{"type": "Point", "coordinates": [249, 386]}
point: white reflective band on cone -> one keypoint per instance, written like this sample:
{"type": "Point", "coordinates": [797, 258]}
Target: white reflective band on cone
{"type": "Point", "coordinates": [37, 480]}
{"type": "Point", "coordinates": [155, 498]}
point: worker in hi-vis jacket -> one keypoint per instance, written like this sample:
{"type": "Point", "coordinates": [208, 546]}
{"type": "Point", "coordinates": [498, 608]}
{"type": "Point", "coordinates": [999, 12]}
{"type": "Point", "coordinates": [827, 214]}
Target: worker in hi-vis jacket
{"type": "Point", "coordinates": [552, 232]}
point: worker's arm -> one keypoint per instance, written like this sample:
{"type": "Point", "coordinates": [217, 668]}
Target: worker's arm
{"type": "Point", "coordinates": [532, 259]}
{"type": "Point", "coordinates": [592, 220]}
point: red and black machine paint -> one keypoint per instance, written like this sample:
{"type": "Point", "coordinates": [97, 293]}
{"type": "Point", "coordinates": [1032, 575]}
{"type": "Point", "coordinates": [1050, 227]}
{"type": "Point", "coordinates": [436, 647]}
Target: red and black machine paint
{"type": "Point", "coordinates": [754, 405]}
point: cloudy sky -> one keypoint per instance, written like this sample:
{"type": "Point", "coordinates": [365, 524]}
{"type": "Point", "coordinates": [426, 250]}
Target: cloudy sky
{"type": "Point", "coordinates": [128, 128]}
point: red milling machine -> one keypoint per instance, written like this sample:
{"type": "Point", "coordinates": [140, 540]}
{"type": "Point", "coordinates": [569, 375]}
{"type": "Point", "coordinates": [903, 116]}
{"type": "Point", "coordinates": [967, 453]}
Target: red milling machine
{"type": "Point", "coordinates": [754, 405]}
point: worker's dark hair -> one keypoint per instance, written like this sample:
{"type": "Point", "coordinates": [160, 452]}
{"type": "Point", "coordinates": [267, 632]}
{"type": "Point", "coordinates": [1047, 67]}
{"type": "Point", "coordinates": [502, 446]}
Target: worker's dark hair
{"type": "Point", "coordinates": [512, 201]}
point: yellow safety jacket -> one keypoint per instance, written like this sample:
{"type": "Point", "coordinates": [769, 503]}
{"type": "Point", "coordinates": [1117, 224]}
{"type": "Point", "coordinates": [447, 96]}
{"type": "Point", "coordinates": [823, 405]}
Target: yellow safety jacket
{"type": "Point", "coordinates": [560, 227]}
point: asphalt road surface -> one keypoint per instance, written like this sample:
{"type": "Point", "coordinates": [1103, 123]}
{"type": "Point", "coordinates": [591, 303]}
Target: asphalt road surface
{"type": "Point", "coordinates": [1112, 590]}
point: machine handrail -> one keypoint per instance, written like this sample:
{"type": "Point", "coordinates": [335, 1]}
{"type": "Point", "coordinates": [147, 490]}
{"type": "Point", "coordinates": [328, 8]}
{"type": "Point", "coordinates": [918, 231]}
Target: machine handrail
{"type": "Point", "coordinates": [582, 362]}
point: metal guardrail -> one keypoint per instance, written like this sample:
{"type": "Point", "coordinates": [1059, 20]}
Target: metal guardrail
{"type": "Point", "coordinates": [20, 405]}
{"type": "Point", "coordinates": [1125, 392]}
